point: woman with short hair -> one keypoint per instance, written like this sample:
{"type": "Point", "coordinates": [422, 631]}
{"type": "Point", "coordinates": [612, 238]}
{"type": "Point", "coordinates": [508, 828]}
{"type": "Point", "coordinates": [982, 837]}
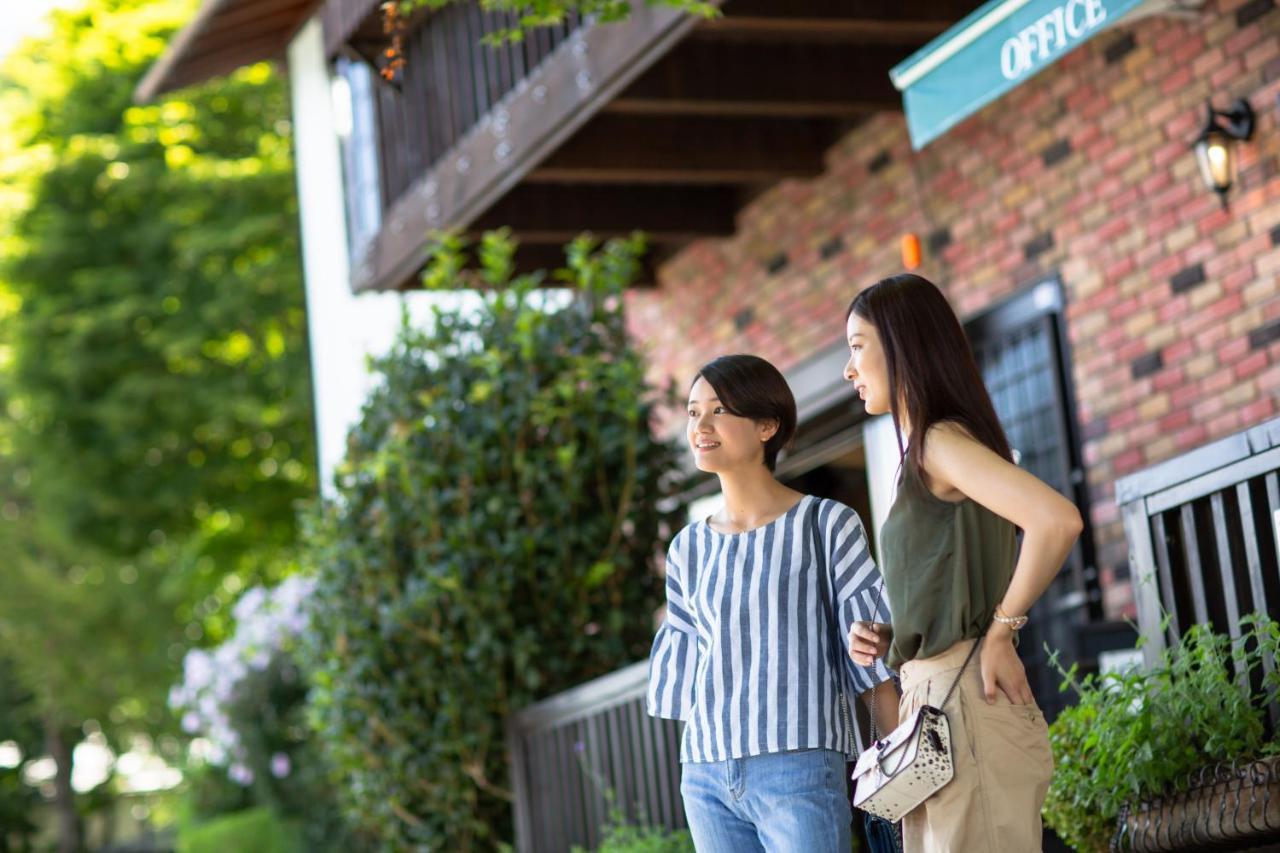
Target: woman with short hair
{"type": "Point", "coordinates": [760, 598]}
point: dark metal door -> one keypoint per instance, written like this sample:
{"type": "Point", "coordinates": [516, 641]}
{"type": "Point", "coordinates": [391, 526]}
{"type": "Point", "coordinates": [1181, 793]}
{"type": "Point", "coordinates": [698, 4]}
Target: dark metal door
{"type": "Point", "coordinates": [1020, 350]}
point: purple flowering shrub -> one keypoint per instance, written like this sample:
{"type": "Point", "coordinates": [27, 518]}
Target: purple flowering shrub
{"type": "Point", "coordinates": [244, 704]}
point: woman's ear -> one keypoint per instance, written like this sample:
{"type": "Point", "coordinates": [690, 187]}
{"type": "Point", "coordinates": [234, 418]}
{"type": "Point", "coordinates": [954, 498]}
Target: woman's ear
{"type": "Point", "coordinates": [767, 429]}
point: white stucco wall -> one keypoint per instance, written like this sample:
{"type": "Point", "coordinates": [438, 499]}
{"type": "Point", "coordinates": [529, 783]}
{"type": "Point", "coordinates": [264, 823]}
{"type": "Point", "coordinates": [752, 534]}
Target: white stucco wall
{"type": "Point", "coordinates": [344, 328]}
{"type": "Point", "coordinates": [882, 468]}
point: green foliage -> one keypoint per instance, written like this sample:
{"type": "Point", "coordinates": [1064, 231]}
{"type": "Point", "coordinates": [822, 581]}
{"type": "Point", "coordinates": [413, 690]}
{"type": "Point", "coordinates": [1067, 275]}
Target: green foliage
{"type": "Point", "coordinates": [490, 544]}
{"type": "Point", "coordinates": [1141, 733]}
{"type": "Point", "coordinates": [153, 368]}
{"type": "Point", "coordinates": [620, 833]}
{"type": "Point", "coordinates": [267, 712]}
{"type": "Point", "coordinates": [208, 793]}
{"type": "Point", "coordinates": [19, 716]}
{"type": "Point", "coordinates": [158, 342]}
{"type": "Point", "coordinates": [19, 723]}
{"type": "Point", "coordinates": [545, 13]}
{"type": "Point", "coordinates": [84, 633]}
{"type": "Point", "coordinates": [246, 699]}
{"type": "Point", "coordinates": [18, 804]}
{"type": "Point", "coordinates": [623, 835]}
{"type": "Point", "coordinates": [259, 830]}
{"type": "Point", "coordinates": [620, 836]}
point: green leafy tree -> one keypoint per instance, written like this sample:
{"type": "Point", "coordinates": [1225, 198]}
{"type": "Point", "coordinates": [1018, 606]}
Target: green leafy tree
{"type": "Point", "coordinates": [491, 542]}
{"type": "Point", "coordinates": [158, 348]}
{"type": "Point", "coordinates": [20, 726]}
{"type": "Point", "coordinates": [153, 364]}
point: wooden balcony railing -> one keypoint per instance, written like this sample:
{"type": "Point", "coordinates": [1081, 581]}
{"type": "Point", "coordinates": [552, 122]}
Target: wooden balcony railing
{"type": "Point", "coordinates": [1204, 532]}
{"type": "Point", "coordinates": [449, 82]}
{"type": "Point", "coordinates": [567, 751]}
{"type": "Point", "coordinates": [465, 122]}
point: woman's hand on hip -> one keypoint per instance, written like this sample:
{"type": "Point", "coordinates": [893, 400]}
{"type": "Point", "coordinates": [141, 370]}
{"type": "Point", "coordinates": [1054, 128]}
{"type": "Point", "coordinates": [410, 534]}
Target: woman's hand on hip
{"type": "Point", "coordinates": [1002, 670]}
{"type": "Point", "coordinates": [869, 641]}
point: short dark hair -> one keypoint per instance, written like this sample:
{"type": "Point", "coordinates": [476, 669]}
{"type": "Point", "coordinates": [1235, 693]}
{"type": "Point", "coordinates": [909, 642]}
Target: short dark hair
{"type": "Point", "coordinates": [750, 387]}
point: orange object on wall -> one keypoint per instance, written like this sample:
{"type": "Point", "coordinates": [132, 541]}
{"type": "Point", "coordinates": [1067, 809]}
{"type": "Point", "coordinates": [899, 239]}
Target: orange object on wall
{"type": "Point", "coordinates": [910, 251]}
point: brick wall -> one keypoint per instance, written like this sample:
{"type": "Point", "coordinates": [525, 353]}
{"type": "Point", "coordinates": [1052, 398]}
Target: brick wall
{"type": "Point", "coordinates": [1173, 303]}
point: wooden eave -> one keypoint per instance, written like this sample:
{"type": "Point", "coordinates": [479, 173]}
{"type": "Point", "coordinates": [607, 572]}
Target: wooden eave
{"type": "Point", "coordinates": [664, 123]}
{"type": "Point", "coordinates": [223, 36]}
{"type": "Point", "coordinates": [522, 131]}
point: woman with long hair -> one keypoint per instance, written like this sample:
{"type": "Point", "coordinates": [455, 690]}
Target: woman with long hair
{"type": "Point", "coordinates": [953, 574]}
{"type": "Point", "coordinates": [760, 598]}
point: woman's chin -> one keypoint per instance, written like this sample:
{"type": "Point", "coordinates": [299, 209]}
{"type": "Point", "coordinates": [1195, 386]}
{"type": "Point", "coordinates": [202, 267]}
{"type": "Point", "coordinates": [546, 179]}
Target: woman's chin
{"type": "Point", "coordinates": [707, 465]}
{"type": "Point", "coordinates": [712, 462]}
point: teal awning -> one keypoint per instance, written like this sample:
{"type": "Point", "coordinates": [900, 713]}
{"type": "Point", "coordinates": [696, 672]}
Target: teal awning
{"type": "Point", "coordinates": [993, 49]}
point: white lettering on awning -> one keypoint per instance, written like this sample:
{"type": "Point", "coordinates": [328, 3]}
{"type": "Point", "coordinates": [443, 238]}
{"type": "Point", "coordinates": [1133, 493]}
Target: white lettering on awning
{"type": "Point", "coordinates": [1049, 35]}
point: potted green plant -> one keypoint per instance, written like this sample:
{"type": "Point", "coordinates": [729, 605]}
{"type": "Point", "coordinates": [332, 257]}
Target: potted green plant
{"type": "Point", "coordinates": [1175, 756]}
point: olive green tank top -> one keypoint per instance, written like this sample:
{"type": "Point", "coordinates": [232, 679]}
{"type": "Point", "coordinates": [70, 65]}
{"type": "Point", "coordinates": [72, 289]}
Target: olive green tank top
{"type": "Point", "coordinates": [946, 566]}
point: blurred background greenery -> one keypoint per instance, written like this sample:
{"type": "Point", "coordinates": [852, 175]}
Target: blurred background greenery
{"type": "Point", "coordinates": [153, 375]}
{"type": "Point", "coordinates": [163, 683]}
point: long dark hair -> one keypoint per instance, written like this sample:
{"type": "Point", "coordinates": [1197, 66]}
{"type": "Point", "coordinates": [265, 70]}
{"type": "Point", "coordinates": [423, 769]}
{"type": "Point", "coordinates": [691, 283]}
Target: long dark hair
{"type": "Point", "coordinates": [931, 368]}
{"type": "Point", "coordinates": [750, 387]}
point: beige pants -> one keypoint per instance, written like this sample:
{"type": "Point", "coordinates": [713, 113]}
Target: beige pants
{"type": "Point", "coordinates": [1003, 764]}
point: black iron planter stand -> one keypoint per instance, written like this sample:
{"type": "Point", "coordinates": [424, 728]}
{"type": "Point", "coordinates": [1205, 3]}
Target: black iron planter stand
{"type": "Point", "coordinates": [1225, 807]}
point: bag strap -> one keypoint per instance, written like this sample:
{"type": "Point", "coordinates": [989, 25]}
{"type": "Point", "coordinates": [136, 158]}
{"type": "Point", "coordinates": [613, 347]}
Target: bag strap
{"type": "Point", "coordinates": [829, 604]}
{"type": "Point", "coordinates": [876, 609]}
{"type": "Point", "coordinates": [972, 651]}
{"type": "Point", "coordinates": [827, 590]}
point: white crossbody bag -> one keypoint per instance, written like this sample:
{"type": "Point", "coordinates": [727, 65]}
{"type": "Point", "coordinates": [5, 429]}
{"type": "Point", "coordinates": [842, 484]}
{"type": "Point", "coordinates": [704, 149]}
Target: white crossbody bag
{"type": "Point", "coordinates": [899, 772]}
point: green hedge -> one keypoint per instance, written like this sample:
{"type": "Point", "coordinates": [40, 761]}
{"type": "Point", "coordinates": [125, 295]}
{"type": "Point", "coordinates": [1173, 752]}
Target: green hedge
{"type": "Point", "coordinates": [491, 542]}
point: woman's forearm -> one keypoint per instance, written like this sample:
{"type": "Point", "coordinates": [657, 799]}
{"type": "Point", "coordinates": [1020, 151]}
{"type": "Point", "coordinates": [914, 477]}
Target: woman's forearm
{"type": "Point", "coordinates": [1043, 552]}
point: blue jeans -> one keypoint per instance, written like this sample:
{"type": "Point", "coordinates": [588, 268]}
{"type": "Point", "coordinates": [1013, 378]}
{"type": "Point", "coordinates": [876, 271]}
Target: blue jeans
{"type": "Point", "coordinates": [779, 802]}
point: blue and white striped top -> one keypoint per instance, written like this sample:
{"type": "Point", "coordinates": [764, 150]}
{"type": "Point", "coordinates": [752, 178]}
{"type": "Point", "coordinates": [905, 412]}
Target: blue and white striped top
{"type": "Point", "coordinates": [747, 655]}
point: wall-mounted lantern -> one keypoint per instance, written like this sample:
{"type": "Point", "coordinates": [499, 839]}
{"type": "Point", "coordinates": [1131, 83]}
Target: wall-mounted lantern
{"type": "Point", "coordinates": [1214, 146]}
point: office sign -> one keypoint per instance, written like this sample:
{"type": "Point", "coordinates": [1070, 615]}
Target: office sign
{"type": "Point", "coordinates": [992, 50]}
